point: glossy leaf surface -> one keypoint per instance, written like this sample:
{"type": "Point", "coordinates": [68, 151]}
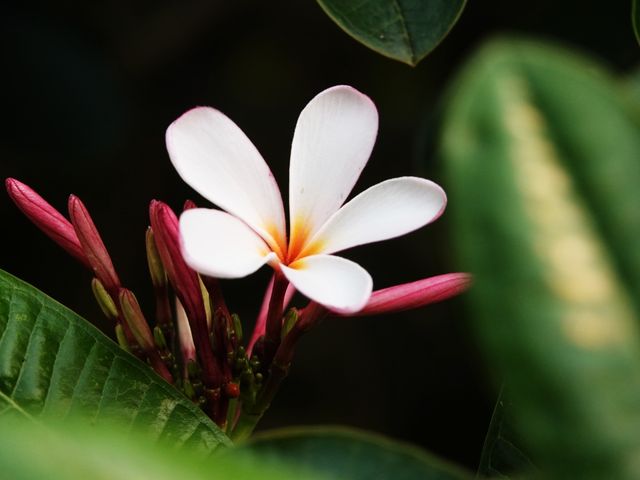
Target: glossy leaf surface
{"type": "Point", "coordinates": [54, 364]}
{"type": "Point", "coordinates": [405, 30]}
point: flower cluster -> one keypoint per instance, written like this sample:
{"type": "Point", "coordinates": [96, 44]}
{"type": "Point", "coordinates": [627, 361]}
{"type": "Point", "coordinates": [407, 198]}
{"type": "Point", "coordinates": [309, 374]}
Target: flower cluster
{"type": "Point", "coordinates": [194, 341]}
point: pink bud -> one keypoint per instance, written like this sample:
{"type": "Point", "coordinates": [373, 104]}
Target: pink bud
{"type": "Point", "coordinates": [186, 285]}
{"type": "Point", "coordinates": [188, 205]}
{"type": "Point", "coordinates": [92, 245]}
{"type": "Point", "coordinates": [46, 218]}
{"type": "Point", "coordinates": [415, 294]}
{"type": "Point", "coordinates": [261, 322]}
{"type": "Point", "coordinates": [184, 280]}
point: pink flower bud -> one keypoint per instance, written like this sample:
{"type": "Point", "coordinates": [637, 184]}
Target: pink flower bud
{"type": "Point", "coordinates": [186, 284]}
{"type": "Point", "coordinates": [188, 205]}
{"type": "Point", "coordinates": [46, 218]}
{"type": "Point", "coordinates": [93, 247]}
{"type": "Point", "coordinates": [415, 294]}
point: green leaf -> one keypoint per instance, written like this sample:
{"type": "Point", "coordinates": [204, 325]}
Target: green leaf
{"type": "Point", "coordinates": [635, 18]}
{"type": "Point", "coordinates": [54, 364]}
{"type": "Point", "coordinates": [405, 30]}
{"type": "Point", "coordinates": [346, 454]}
{"type": "Point", "coordinates": [543, 158]}
{"type": "Point", "coordinates": [501, 457]}
{"type": "Point", "coordinates": [79, 452]}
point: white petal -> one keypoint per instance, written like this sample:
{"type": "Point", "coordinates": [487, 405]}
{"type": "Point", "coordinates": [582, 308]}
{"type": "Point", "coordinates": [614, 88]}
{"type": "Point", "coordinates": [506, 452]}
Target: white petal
{"type": "Point", "coordinates": [386, 210]}
{"type": "Point", "coordinates": [337, 283]}
{"type": "Point", "coordinates": [216, 159]}
{"type": "Point", "coordinates": [332, 143]}
{"type": "Point", "coordinates": [221, 245]}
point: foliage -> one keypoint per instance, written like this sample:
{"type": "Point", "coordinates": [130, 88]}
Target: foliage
{"type": "Point", "coordinates": [542, 153]}
{"type": "Point", "coordinates": [54, 364]}
{"type": "Point", "coordinates": [405, 30]}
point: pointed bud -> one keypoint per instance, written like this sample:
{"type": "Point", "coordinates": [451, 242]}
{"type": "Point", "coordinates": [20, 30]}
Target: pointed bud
{"type": "Point", "coordinates": [135, 319]}
{"type": "Point", "coordinates": [186, 284]}
{"type": "Point", "coordinates": [159, 339]}
{"type": "Point", "coordinates": [122, 338]}
{"type": "Point", "coordinates": [51, 222]}
{"type": "Point", "coordinates": [184, 280]}
{"type": "Point", "coordinates": [415, 294]}
{"type": "Point", "coordinates": [188, 205]}
{"type": "Point", "coordinates": [260, 327]}
{"type": "Point", "coordinates": [156, 269]}
{"type": "Point", "coordinates": [290, 320]}
{"type": "Point", "coordinates": [104, 300]}
{"type": "Point", "coordinates": [92, 245]}
{"type": "Point", "coordinates": [187, 347]}
{"type": "Point", "coordinates": [237, 328]}
{"type": "Point", "coordinates": [232, 390]}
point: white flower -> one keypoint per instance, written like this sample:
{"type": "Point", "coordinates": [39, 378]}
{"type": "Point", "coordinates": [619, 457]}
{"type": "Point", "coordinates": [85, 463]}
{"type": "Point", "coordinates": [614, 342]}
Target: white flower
{"type": "Point", "coordinates": [332, 142]}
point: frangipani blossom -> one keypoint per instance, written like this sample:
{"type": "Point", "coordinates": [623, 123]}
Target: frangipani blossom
{"type": "Point", "coordinates": [333, 140]}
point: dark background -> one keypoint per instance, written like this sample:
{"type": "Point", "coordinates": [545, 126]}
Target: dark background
{"type": "Point", "coordinates": [89, 88]}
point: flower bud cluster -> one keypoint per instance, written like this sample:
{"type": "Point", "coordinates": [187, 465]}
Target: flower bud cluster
{"type": "Point", "coordinates": [194, 341]}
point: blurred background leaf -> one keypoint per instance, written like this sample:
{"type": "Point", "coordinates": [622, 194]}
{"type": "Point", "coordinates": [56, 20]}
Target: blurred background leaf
{"type": "Point", "coordinates": [54, 364]}
{"type": "Point", "coordinates": [347, 454]}
{"type": "Point", "coordinates": [501, 455]}
{"type": "Point", "coordinates": [543, 158]}
{"type": "Point", "coordinates": [405, 30]}
{"type": "Point", "coordinates": [73, 451]}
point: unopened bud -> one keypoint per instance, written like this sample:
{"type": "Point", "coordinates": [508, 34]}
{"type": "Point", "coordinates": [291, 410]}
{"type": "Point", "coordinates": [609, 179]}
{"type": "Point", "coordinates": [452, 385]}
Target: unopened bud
{"type": "Point", "coordinates": [237, 327]}
{"type": "Point", "coordinates": [415, 294]}
{"type": "Point", "coordinates": [92, 245]}
{"type": "Point", "coordinates": [122, 338]}
{"type": "Point", "coordinates": [290, 320]}
{"type": "Point", "coordinates": [187, 346]}
{"type": "Point", "coordinates": [51, 222]}
{"type": "Point", "coordinates": [135, 319]}
{"type": "Point", "coordinates": [156, 269]}
{"type": "Point", "coordinates": [105, 302]}
{"type": "Point", "coordinates": [188, 205]}
{"type": "Point", "coordinates": [188, 389]}
{"type": "Point", "coordinates": [232, 390]}
{"type": "Point", "coordinates": [159, 339]}
{"type": "Point", "coordinates": [193, 369]}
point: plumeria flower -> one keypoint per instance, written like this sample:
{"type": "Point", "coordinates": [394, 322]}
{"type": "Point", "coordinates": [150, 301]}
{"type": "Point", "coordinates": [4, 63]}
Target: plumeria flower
{"type": "Point", "coordinates": [332, 142]}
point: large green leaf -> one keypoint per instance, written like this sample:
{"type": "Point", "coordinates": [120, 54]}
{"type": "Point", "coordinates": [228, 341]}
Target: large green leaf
{"type": "Point", "coordinates": [346, 454]}
{"type": "Point", "coordinates": [54, 364]}
{"type": "Point", "coordinates": [77, 452]}
{"type": "Point", "coordinates": [543, 158]}
{"type": "Point", "coordinates": [405, 30]}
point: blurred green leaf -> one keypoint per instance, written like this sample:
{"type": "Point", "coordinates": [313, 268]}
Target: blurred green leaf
{"type": "Point", "coordinates": [501, 457]}
{"type": "Point", "coordinates": [635, 18]}
{"type": "Point", "coordinates": [543, 158]}
{"type": "Point", "coordinates": [54, 364]}
{"type": "Point", "coordinates": [405, 30]}
{"type": "Point", "coordinates": [80, 452]}
{"type": "Point", "coordinates": [346, 454]}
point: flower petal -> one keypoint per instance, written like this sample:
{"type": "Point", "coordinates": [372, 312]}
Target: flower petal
{"type": "Point", "coordinates": [337, 283]}
{"type": "Point", "coordinates": [216, 159]}
{"type": "Point", "coordinates": [332, 142]}
{"type": "Point", "coordinates": [221, 245]}
{"type": "Point", "coordinates": [386, 210]}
